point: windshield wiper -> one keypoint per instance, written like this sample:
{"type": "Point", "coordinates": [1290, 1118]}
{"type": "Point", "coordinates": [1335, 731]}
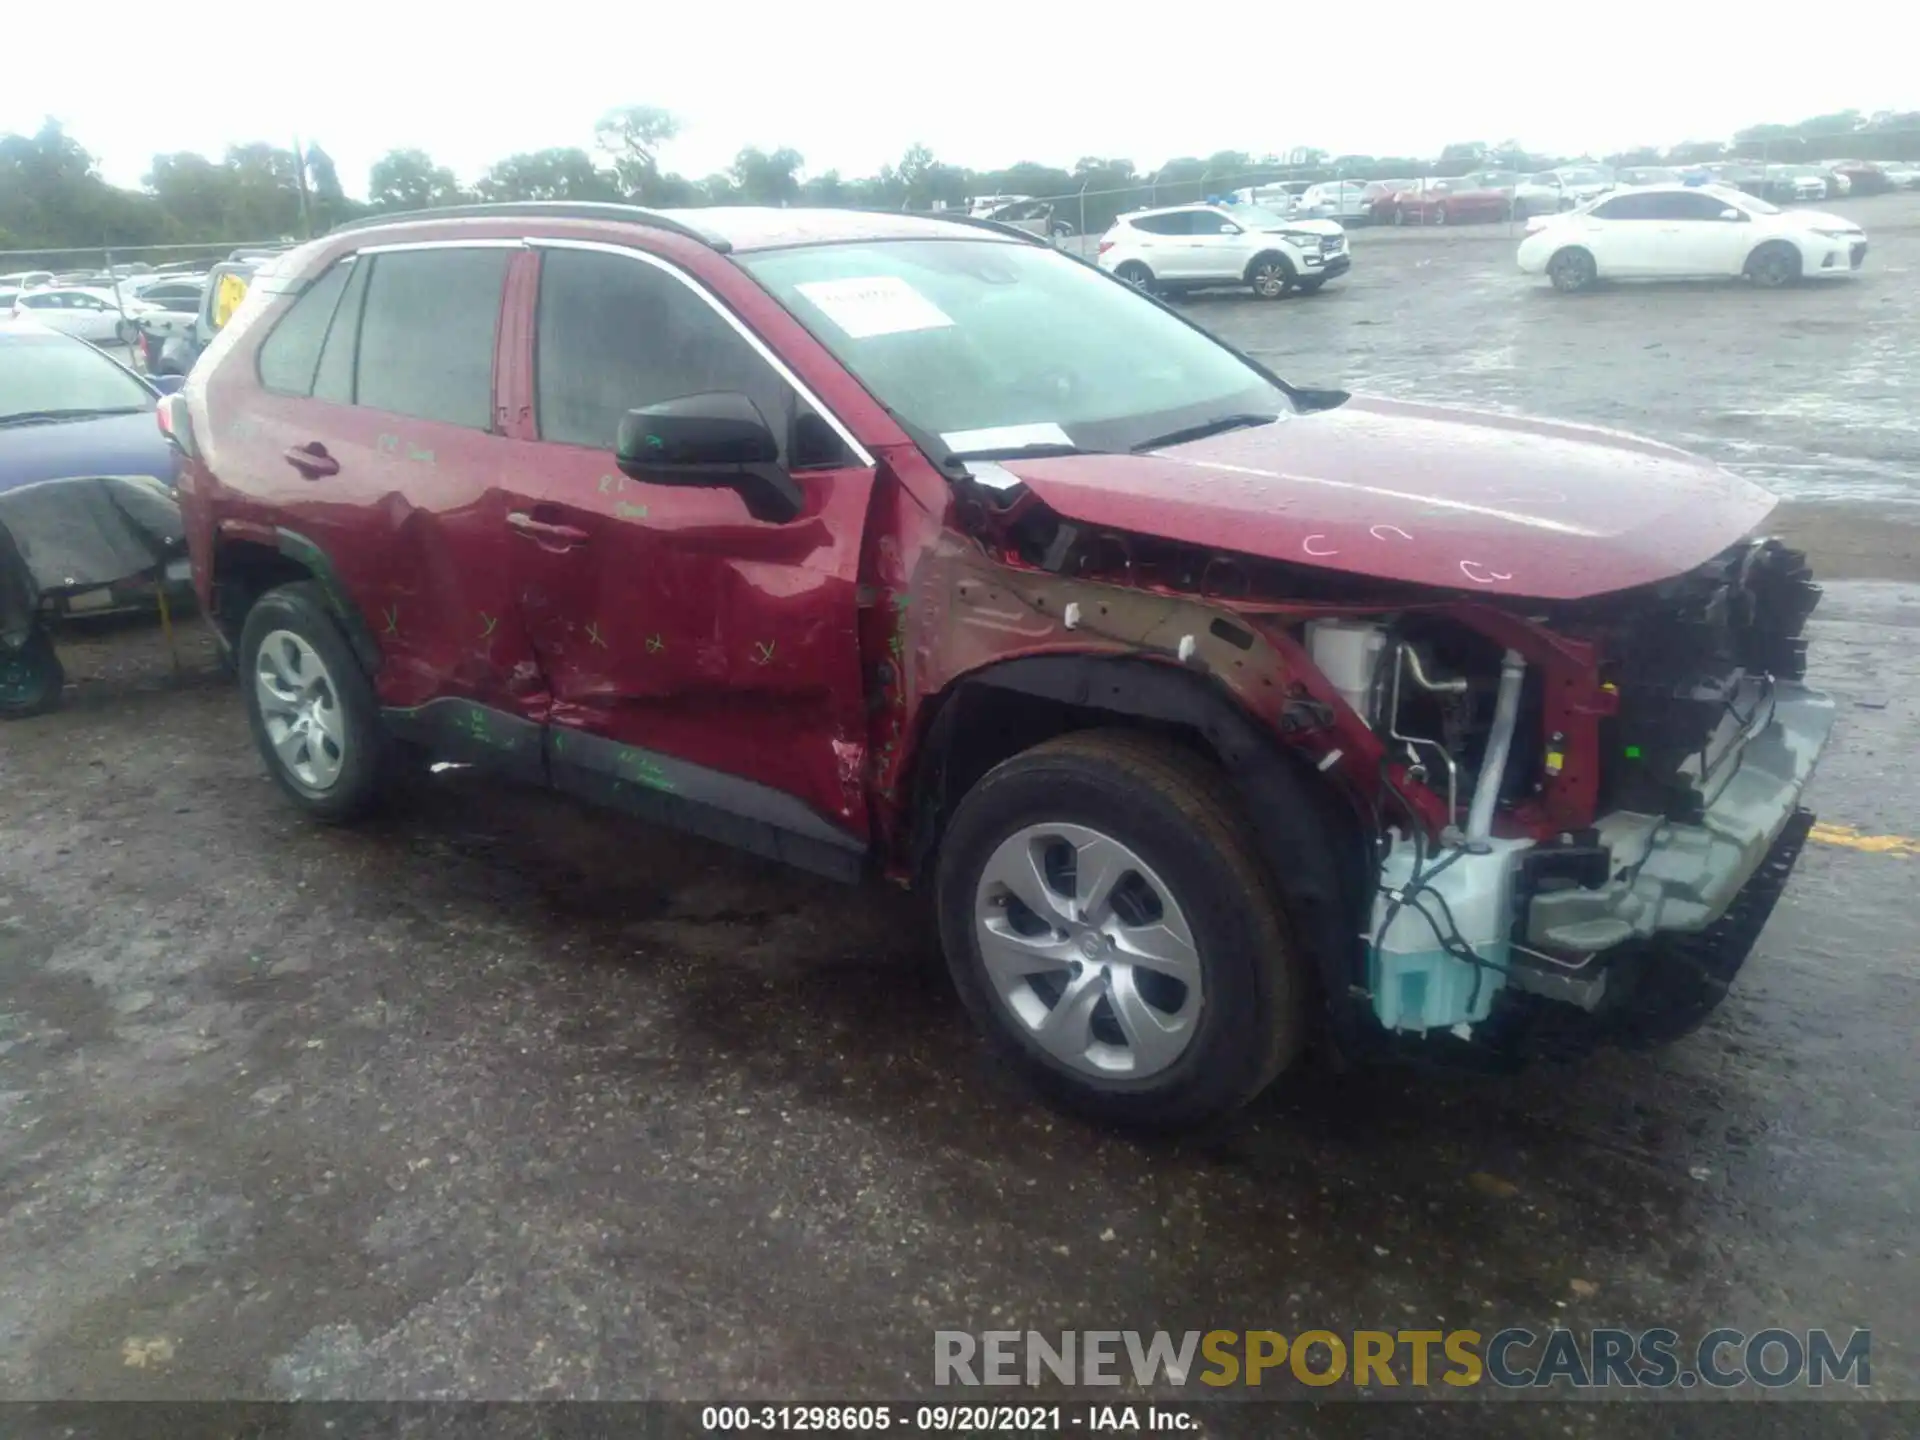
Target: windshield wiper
{"type": "Point", "coordinates": [1218, 425]}
{"type": "Point", "coordinates": [34, 417]}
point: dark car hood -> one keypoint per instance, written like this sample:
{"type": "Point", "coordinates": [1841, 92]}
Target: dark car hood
{"type": "Point", "coordinates": [1472, 501]}
{"type": "Point", "coordinates": [110, 445]}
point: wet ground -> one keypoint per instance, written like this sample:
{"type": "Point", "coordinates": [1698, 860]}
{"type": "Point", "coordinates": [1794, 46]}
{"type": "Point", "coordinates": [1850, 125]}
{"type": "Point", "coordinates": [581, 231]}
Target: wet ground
{"type": "Point", "coordinates": [500, 1098]}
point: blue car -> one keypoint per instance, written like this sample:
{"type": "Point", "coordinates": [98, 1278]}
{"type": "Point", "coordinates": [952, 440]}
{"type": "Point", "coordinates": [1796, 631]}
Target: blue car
{"type": "Point", "coordinates": [69, 409]}
{"type": "Point", "coordinates": [85, 469]}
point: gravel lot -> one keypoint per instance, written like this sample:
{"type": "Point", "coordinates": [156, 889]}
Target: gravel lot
{"type": "Point", "coordinates": [499, 1098]}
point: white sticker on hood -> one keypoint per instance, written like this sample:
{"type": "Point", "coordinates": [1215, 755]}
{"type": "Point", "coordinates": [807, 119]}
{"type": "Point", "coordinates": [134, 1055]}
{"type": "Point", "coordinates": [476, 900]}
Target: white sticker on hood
{"type": "Point", "coordinates": [875, 305]}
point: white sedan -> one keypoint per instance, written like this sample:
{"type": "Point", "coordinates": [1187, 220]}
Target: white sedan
{"type": "Point", "coordinates": [1678, 232]}
{"type": "Point", "coordinates": [84, 313]}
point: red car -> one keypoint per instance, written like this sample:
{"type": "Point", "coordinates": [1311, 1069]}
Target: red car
{"type": "Point", "coordinates": [1449, 202]}
{"type": "Point", "coordinates": [1216, 713]}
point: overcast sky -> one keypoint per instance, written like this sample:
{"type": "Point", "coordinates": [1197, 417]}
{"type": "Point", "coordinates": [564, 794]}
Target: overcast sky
{"type": "Point", "coordinates": [850, 84]}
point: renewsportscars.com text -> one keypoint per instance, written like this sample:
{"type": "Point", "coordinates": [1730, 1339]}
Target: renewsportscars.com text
{"type": "Point", "coordinates": [1514, 1358]}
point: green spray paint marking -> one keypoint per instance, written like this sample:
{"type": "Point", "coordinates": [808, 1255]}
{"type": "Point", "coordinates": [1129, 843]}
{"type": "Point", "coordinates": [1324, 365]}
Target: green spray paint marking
{"type": "Point", "coordinates": [425, 457]}
{"type": "Point", "coordinates": [624, 511]}
{"type": "Point", "coordinates": [488, 623]}
{"type": "Point", "coordinates": [593, 636]}
{"type": "Point", "coordinates": [655, 644]}
{"type": "Point", "coordinates": [473, 724]}
{"type": "Point", "coordinates": [645, 771]}
{"type": "Point", "coordinates": [391, 614]}
{"type": "Point", "coordinates": [387, 444]}
{"type": "Point", "coordinates": [763, 652]}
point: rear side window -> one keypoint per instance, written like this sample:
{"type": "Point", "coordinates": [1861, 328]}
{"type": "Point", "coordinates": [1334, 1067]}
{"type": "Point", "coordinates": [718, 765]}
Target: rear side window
{"type": "Point", "coordinates": [1626, 207]}
{"type": "Point", "coordinates": [289, 355]}
{"type": "Point", "coordinates": [615, 333]}
{"type": "Point", "coordinates": [1178, 223]}
{"type": "Point", "coordinates": [334, 379]}
{"type": "Point", "coordinates": [427, 333]}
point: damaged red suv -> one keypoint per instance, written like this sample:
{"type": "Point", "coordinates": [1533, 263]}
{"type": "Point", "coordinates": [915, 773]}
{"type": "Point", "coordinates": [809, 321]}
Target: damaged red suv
{"type": "Point", "coordinates": [1221, 716]}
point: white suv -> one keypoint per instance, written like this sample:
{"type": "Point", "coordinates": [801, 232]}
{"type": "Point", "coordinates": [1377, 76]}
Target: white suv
{"type": "Point", "coordinates": [1186, 247]}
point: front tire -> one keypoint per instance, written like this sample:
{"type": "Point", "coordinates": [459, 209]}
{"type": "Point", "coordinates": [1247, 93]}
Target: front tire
{"type": "Point", "coordinates": [1774, 265]}
{"type": "Point", "coordinates": [1572, 270]}
{"type": "Point", "coordinates": [1110, 928]}
{"type": "Point", "coordinates": [311, 707]}
{"type": "Point", "coordinates": [31, 678]}
{"type": "Point", "coordinates": [1271, 276]}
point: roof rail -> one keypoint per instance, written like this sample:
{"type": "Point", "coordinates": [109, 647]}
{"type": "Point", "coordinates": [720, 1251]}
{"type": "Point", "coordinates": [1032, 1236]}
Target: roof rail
{"type": "Point", "coordinates": [547, 209]}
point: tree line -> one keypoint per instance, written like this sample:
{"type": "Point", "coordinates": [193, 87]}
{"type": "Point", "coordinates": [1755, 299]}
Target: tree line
{"type": "Point", "coordinates": [52, 195]}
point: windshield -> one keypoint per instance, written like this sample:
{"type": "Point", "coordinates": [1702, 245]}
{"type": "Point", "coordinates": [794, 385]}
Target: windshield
{"type": "Point", "coordinates": [51, 373]}
{"type": "Point", "coordinates": [986, 345]}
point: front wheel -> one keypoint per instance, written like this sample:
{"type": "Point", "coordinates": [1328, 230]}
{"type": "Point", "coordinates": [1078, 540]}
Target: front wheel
{"type": "Point", "coordinates": [1572, 270]}
{"type": "Point", "coordinates": [1774, 265]}
{"type": "Point", "coordinates": [1271, 277]}
{"type": "Point", "coordinates": [310, 706]}
{"type": "Point", "coordinates": [1109, 926]}
{"type": "Point", "coordinates": [31, 678]}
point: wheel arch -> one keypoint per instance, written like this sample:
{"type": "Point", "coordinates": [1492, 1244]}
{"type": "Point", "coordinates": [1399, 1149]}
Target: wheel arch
{"type": "Point", "coordinates": [1312, 839]}
{"type": "Point", "coordinates": [247, 566]}
{"type": "Point", "coordinates": [1271, 253]}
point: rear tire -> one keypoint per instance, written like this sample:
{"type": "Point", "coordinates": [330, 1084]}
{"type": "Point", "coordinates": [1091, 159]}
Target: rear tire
{"type": "Point", "coordinates": [1085, 1003]}
{"type": "Point", "coordinates": [312, 709]}
{"type": "Point", "coordinates": [32, 681]}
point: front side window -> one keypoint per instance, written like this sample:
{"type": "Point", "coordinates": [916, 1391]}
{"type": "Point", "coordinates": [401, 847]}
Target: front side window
{"type": "Point", "coordinates": [427, 334]}
{"type": "Point", "coordinates": [959, 337]}
{"type": "Point", "coordinates": [615, 333]}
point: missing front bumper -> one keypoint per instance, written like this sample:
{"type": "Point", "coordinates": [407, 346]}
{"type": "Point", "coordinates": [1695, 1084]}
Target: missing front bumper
{"type": "Point", "coordinates": [1671, 877]}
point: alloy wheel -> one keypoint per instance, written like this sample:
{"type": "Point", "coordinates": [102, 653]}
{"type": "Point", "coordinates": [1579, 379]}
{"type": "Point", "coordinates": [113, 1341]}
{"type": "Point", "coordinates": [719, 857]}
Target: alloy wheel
{"type": "Point", "coordinates": [300, 708]}
{"type": "Point", "coordinates": [1269, 280]}
{"type": "Point", "coordinates": [1089, 951]}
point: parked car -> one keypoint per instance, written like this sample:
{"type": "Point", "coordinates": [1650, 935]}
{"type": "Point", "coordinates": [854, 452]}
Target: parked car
{"type": "Point", "coordinates": [68, 409]}
{"type": "Point", "coordinates": [1036, 217]}
{"type": "Point", "coordinates": [1681, 231]}
{"type": "Point", "coordinates": [981, 206]}
{"type": "Point", "coordinates": [1648, 175]}
{"type": "Point", "coordinates": [1191, 247]}
{"type": "Point", "coordinates": [1456, 201]}
{"type": "Point", "coordinates": [1788, 184]}
{"type": "Point", "coordinates": [1348, 201]}
{"type": "Point", "coordinates": [27, 279]}
{"type": "Point", "coordinates": [878, 543]}
{"type": "Point", "coordinates": [1900, 175]}
{"type": "Point", "coordinates": [85, 314]}
{"type": "Point", "coordinates": [1863, 177]}
{"type": "Point", "coordinates": [1281, 200]}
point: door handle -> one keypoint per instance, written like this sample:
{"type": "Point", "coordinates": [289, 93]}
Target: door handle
{"type": "Point", "coordinates": [311, 460]}
{"type": "Point", "coordinates": [560, 537]}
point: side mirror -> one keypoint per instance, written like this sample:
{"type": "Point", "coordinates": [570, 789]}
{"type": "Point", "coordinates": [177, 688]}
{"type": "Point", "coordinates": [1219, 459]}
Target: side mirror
{"type": "Point", "coordinates": [166, 384]}
{"type": "Point", "coordinates": [718, 440]}
{"type": "Point", "coordinates": [1730, 213]}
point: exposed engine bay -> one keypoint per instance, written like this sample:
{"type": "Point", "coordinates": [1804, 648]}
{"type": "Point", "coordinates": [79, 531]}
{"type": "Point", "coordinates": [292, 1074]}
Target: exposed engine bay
{"type": "Point", "coordinates": [1701, 763]}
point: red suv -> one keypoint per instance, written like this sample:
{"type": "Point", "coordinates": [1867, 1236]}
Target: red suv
{"type": "Point", "coordinates": [1218, 713]}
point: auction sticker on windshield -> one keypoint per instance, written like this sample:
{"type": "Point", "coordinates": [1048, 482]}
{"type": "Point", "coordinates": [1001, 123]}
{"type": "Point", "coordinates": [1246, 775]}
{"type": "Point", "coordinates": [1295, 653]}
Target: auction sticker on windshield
{"type": "Point", "coordinates": [870, 305]}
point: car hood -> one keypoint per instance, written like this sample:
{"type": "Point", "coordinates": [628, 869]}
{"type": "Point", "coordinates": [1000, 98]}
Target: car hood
{"type": "Point", "coordinates": [1486, 503]}
{"type": "Point", "coordinates": [1306, 224]}
{"type": "Point", "coordinates": [109, 445]}
{"type": "Point", "coordinates": [1815, 220]}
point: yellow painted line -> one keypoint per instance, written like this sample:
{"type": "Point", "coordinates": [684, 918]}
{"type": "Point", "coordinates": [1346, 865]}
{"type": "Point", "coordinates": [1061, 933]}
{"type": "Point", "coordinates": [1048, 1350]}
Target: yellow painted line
{"type": "Point", "coordinates": [1873, 844]}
